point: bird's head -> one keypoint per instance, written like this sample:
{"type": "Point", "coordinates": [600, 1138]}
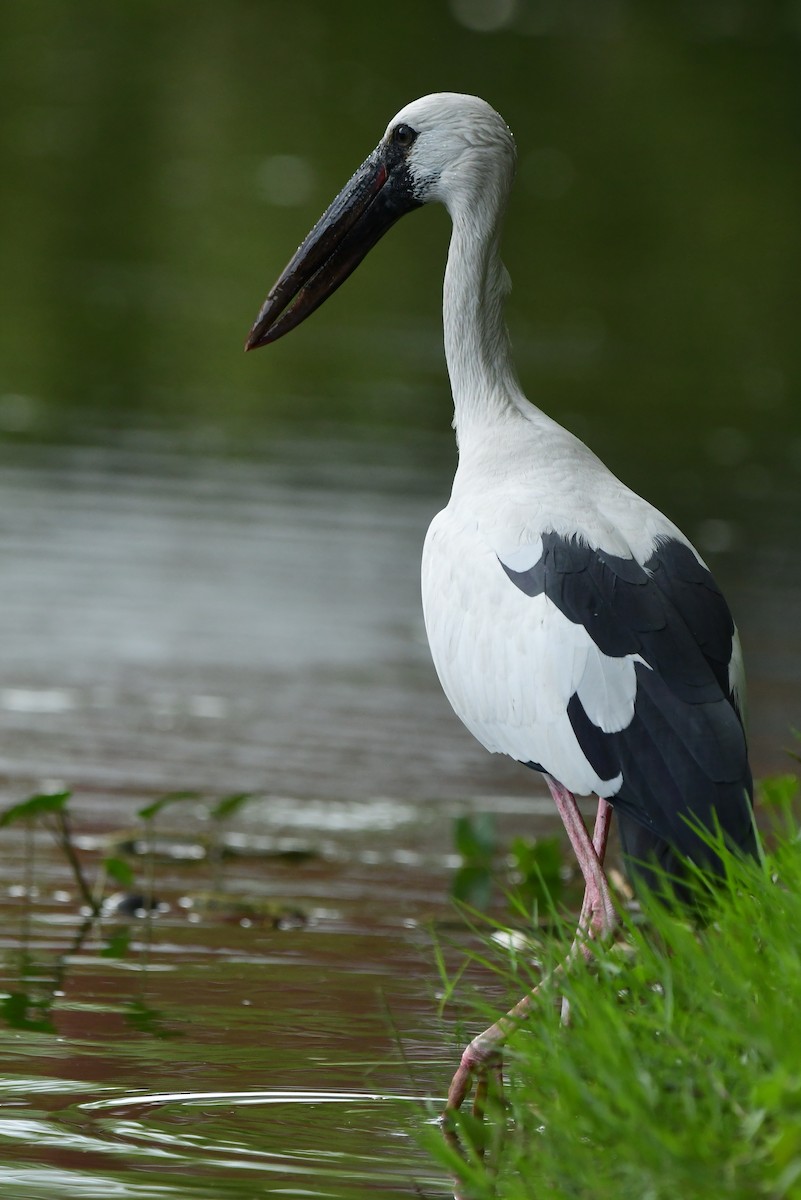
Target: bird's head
{"type": "Point", "coordinates": [445, 147]}
{"type": "Point", "coordinates": [459, 146]}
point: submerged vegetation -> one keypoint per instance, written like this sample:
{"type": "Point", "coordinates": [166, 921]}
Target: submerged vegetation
{"type": "Point", "coordinates": [113, 868]}
{"type": "Point", "coordinates": [118, 880]}
{"type": "Point", "coordinates": [532, 878]}
{"type": "Point", "coordinates": [680, 1072]}
{"type": "Point", "coordinates": [679, 1075]}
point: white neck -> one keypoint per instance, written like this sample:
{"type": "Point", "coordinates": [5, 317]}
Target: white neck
{"type": "Point", "coordinates": [477, 350]}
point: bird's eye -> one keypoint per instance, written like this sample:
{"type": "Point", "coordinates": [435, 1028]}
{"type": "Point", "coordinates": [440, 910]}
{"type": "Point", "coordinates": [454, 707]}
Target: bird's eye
{"type": "Point", "coordinates": [403, 135]}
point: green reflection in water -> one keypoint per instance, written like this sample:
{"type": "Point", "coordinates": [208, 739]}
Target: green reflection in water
{"type": "Point", "coordinates": [162, 161]}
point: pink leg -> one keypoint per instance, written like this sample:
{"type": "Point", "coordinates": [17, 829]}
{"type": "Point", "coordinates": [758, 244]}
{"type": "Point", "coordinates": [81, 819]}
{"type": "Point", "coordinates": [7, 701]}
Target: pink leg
{"type": "Point", "coordinates": [594, 913]}
{"type": "Point", "coordinates": [589, 853]}
{"type": "Point", "coordinates": [597, 912]}
{"type": "Point", "coordinates": [598, 918]}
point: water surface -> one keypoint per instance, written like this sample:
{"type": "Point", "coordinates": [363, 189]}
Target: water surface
{"type": "Point", "coordinates": [223, 624]}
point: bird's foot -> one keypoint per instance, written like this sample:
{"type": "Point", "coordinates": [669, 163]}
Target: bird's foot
{"type": "Point", "coordinates": [482, 1061]}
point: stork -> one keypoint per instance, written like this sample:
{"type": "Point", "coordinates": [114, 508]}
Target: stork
{"type": "Point", "coordinates": [573, 626]}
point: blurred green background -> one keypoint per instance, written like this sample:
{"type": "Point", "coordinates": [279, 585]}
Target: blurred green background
{"type": "Point", "coordinates": [162, 160]}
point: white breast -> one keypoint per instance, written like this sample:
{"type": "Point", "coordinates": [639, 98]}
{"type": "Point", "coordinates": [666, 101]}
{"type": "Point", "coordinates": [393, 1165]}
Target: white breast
{"type": "Point", "coordinates": [509, 663]}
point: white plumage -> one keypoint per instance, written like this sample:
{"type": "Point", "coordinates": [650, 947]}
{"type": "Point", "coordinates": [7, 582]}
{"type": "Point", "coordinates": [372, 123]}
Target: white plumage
{"type": "Point", "coordinates": [509, 663]}
{"type": "Point", "coordinates": [572, 625]}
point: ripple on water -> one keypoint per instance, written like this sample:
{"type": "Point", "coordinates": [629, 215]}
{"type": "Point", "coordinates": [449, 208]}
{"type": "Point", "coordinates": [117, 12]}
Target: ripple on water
{"type": "Point", "coordinates": [133, 1142]}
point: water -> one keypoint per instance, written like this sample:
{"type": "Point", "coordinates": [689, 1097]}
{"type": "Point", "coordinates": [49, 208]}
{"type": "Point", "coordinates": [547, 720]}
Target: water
{"type": "Point", "coordinates": [209, 561]}
{"type": "Point", "coordinates": [217, 1058]}
{"type": "Point", "coordinates": [230, 624]}
{"type": "Point", "coordinates": [178, 620]}
{"type": "Point", "coordinates": [221, 625]}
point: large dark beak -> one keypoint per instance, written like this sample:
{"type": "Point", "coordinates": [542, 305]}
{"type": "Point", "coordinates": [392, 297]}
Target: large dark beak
{"type": "Point", "coordinates": [374, 199]}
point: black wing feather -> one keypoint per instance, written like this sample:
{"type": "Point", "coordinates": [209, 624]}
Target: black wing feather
{"type": "Point", "coordinates": [683, 758]}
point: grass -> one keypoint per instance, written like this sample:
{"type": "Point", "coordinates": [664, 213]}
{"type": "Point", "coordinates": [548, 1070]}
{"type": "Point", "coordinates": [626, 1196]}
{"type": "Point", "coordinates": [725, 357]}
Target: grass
{"type": "Point", "coordinates": [680, 1074]}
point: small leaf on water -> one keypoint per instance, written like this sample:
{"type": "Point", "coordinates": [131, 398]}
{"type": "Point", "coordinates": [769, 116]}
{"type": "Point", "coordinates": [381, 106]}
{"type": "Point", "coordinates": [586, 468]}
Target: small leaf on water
{"type": "Point", "coordinates": [281, 914]}
{"type": "Point", "coordinates": [474, 837]}
{"type": "Point", "coordinates": [117, 944]}
{"type": "Point", "coordinates": [473, 886]}
{"type": "Point", "coordinates": [152, 810]}
{"type": "Point", "coordinates": [229, 805]}
{"type": "Point", "coordinates": [148, 1020]}
{"type": "Point", "coordinates": [20, 1011]}
{"type": "Point", "coordinates": [542, 856]}
{"type": "Point", "coordinates": [538, 867]}
{"type": "Point", "coordinates": [120, 871]}
{"type": "Point", "coordinates": [34, 806]}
